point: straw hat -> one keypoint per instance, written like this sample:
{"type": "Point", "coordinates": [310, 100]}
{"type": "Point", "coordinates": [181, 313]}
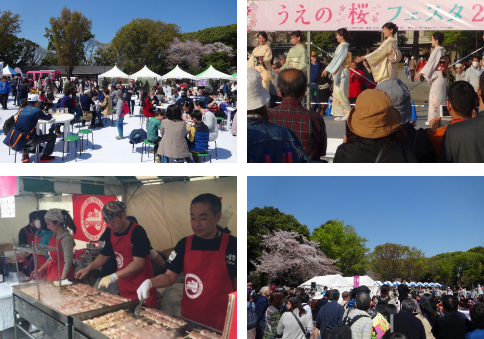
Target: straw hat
{"type": "Point", "coordinates": [313, 53]}
{"type": "Point", "coordinates": [373, 115]}
{"type": "Point", "coordinates": [257, 95]}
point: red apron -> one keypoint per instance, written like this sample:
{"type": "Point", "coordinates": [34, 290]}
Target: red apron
{"type": "Point", "coordinates": [52, 270]}
{"type": "Point", "coordinates": [30, 235]}
{"type": "Point", "coordinates": [41, 259]}
{"type": "Point", "coordinates": [123, 249]}
{"type": "Point", "coordinates": [207, 285]}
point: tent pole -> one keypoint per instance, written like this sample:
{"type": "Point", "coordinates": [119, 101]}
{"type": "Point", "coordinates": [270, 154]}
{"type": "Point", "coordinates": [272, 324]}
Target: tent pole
{"type": "Point", "coordinates": [308, 90]}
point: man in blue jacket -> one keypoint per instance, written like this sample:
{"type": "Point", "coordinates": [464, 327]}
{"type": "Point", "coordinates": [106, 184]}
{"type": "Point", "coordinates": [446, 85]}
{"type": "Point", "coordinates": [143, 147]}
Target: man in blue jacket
{"type": "Point", "coordinates": [5, 90]}
{"type": "Point", "coordinates": [27, 120]}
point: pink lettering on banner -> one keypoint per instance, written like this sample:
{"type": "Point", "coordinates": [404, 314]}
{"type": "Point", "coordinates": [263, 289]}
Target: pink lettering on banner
{"type": "Point", "coordinates": [8, 186]}
{"type": "Point", "coordinates": [409, 15]}
{"type": "Point", "coordinates": [356, 282]}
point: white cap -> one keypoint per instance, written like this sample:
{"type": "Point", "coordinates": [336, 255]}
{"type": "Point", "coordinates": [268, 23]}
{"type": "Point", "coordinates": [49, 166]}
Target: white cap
{"type": "Point", "coordinates": [257, 95]}
{"type": "Point", "coordinates": [413, 57]}
{"type": "Point", "coordinates": [33, 97]}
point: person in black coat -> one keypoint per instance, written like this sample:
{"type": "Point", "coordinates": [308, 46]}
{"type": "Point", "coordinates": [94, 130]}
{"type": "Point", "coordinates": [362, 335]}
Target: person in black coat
{"type": "Point", "coordinates": [405, 323]}
{"type": "Point", "coordinates": [453, 325]}
{"type": "Point", "coordinates": [403, 291]}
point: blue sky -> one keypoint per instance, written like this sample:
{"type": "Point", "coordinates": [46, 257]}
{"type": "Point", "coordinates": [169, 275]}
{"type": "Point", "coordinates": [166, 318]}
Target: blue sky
{"type": "Point", "coordinates": [435, 214]}
{"type": "Point", "coordinates": [109, 16]}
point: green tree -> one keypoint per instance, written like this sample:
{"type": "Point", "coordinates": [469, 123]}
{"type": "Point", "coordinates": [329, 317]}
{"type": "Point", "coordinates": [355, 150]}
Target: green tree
{"type": "Point", "coordinates": [388, 262]}
{"type": "Point", "coordinates": [68, 35]}
{"type": "Point", "coordinates": [267, 220]}
{"type": "Point", "coordinates": [414, 263]}
{"type": "Point", "coordinates": [225, 34]}
{"type": "Point", "coordinates": [219, 60]}
{"type": "Point", "coordinates": [142, 42]}
{"type": "Point", "coordinates": [339, 241]}
{"type": "Point", "coordinates": [9, 28]}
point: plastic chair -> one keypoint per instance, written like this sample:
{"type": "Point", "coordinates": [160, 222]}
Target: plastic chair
{"type": "Point", "coordinates": [204, 155]}
{"type": "Point", "coordinates": [26, 148]}
{"type": "Point", "coordinates": [86, 132]}
{"type": "Point", "coordinates": [215, 141]}
{"type": "Point", "coordinates": [222, 120]}
{"type": "Point", "coordinates": [69, 139]}
{"type": "Point", "coordinates": [145, 146]}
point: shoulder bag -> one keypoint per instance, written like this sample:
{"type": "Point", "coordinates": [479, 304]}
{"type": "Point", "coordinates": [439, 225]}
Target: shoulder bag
{"type": "Point", "coordinates": [306, 335]}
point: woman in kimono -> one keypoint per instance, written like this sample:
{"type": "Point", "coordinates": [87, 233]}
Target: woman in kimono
{"type": "Point", "coordinates": [296, 58]}
{"type": "Point", "coordinates": [341, 76]}
{"type": "Point", "coordinates": [261, 59]}
{"type": "Point", "coordinates": [432, 72]}
{"type": "Point", "coordinates": [384, 61]}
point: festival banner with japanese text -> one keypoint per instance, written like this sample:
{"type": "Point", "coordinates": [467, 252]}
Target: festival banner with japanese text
{"type": "Point", "coordinates": [88, 216]}
{"type": "Point", "coordinates": [317, 15]}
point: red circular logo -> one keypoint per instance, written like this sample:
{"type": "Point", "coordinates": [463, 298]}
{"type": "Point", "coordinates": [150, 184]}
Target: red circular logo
{"type": "Point", "coordinates": [92, 222]}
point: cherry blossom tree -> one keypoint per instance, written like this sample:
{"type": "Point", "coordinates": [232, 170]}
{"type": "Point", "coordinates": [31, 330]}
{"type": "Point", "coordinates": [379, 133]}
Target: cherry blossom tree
{"type": "Point", "coordinates": [292, 258]}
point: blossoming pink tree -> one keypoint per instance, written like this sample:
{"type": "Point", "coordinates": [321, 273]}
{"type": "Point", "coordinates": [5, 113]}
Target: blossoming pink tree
{"type": "Point", "coordinates": [292, 259]}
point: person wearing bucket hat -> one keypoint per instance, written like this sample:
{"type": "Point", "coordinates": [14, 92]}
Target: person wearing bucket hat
{"type": "Point", "coordinates": [425, 152]}
{"type": "Point", "coordinates": [129, 243]}
{"type": "Point", "coordinates": [267, 142]}
{"type": "Point", "coordinates": [374, 132]}
{"type": "Point", "coordinates": [460, 73]}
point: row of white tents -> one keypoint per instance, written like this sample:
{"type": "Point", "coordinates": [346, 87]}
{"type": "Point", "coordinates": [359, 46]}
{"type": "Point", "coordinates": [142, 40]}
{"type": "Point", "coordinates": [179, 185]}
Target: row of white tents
{"type": "Point", "coordinates": [175, 73]}
{"type": "Point", "coordinates": [412, 284]}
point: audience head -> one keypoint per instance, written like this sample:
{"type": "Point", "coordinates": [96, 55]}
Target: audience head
{"type": "Point", "coordinates": [362, 301]}
{"type": "Point", "coordinates": [196, 115]}
{"type": "Point", "coordinates": [333, 295]}
{"type": "Point", "coordinates": [294, 304]}
{"type": "Point", "coordinates": [276, 299]}
{"type": "Point", "coordinates": [384, 290]}
{"type": "Point", "coordinates": [304, 297]}
{"type": "Point", "coordinates": [408, 305]}
{"type": "Point", "coordinates": [160, 114]}
{"type": "Point", "coordinates": [398, 336]}
{"type": "Point", "coordinates": [477, 316]}
{"type": "Point", "coordinates": [265, 291]}
{"type": "Point", "coordinates": [173, 112]}
{"type": "Point", "coordinates": [399, 96]}
{"type": "Point", "coordinates": [292, 83]}
{"type": "Point", "coordinates": [461, 99]}
{"type": "Point", "coordinates": [119, 93]}
{"type": "Point", "coordinates": [257, 95]}
{"type": "Point", "coordinates": [450, 303]}
{"type": "Point", "coordinates": [345, 295]}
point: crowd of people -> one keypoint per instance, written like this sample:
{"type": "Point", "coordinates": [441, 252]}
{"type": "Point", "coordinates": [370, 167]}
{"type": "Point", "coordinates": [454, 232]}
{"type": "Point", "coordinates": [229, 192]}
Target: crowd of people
{"type": "Point", "coordinates": [181, 135]}
{"type": "Point", "coordinates": [303, 313]}
{"type": "Point", "coordinates": [367, 95]}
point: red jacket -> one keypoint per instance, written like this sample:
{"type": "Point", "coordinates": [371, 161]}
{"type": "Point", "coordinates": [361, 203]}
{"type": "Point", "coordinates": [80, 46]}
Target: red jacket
{"type": "Point", "coordinates": [356, 85]}
{"type": "Point", "coordinates": [146, 109]}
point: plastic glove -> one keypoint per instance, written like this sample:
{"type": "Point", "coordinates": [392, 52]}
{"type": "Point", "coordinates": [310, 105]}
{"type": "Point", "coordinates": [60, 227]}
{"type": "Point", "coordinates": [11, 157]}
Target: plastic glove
{"type": "Point", "coordinates": [108, 280]}
{"type": "Point", "coordinates": [144, 289]}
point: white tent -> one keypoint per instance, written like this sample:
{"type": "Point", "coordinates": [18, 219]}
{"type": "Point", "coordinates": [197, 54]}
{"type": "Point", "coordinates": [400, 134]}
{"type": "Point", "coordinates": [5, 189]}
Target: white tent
{"type": "Point", "coordinates": [7, 70]}
{"type": "Point", "coordinates": [212, 73]}
{"type": "Point", "coordinates": [335, 281]}
{"type": "Point", "coordinates": [367, 281]}
{"type": "Point", "coordinates": [114, 72]}
{"type": "Point", "coordinates": [145, 72]}
{"type": "Point", "coordinates": [178, 73]}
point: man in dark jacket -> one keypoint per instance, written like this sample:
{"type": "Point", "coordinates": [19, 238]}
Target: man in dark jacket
{"type": "Point", "coordinates": [27, 120]}
{"type": "Point", "coordinates": [260, 307]}
{"type": "Point", "coordinates": [403, 291]}
{"type": "Point", "coordinates": [184, 98]}
{"type": "Point", "coordinates": [333, 314]}
{"type": "Point", "coordinates": [405, 323]}
{"type": "Point", "coordinates": [452, 325]}
{"type": "Point", "coordinates": [316, 70]}
{"type": "Point", "coordinates": [86, 102]}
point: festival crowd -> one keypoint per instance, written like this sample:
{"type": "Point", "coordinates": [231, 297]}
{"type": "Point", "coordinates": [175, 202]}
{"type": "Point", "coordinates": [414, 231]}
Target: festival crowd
{"type": "Point", "coordinates": [303, 313]}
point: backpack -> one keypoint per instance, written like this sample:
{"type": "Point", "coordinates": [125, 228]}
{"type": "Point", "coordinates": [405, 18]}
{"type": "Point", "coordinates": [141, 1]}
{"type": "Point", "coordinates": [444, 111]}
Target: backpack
{"type": "Point", "coordinates": [251, 317]}
{"type": "Point", "coordinates": [381, 305]}
{"type": "Point", "coordinates": [342, 330]}
{"type": "Point", "coordinates": [125, 109]}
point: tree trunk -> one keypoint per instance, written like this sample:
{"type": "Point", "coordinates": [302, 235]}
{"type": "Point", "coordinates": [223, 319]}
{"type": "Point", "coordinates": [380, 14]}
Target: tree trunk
{"type": "Point", "coordinates": [415, 50]}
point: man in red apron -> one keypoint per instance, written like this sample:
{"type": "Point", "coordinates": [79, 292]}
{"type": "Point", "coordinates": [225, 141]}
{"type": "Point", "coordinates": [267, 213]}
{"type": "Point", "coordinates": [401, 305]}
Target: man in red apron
{"type": "Point", "coordinates": [208, 259]}
{"type": "Point", "coordinates": [128, 242]}
{"type": "Point", "coordinates": [26, 235]}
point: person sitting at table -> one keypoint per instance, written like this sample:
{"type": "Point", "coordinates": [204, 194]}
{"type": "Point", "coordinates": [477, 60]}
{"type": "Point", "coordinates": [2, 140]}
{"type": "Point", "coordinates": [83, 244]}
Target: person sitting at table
{"type": "Point", "coordinates": [27, 120]}
{"type": "Point", "coordinates": [149, 104]}
{"type": "Point", "coordinates": [42, 96]}
{"type": "Point", "coordinates": [86, 102]}
{"type": "Point", "coordinates": [152, 129]}
{"type": "Point", "coordinates": [198, 136]}
{"type": "Point", "coordinates": [209, 119]}
{"type": "Point", "coordinates": [160, 95]}
{"type": "Point", "coordinates": [107, 104]}
{"type": "Point", "coordinates": [185, 99]}
{"type": "Point", "coordinates": [173, 132]}
{"type": "Point", "coordinates": [224, 105]}
{"type": "Point", "coordinates": [67, 102]}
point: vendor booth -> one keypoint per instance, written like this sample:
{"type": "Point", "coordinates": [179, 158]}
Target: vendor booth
{"type": "Point", "coordinates": [113, 73]}
{"type": "Point", "coordinates": [76, 308]}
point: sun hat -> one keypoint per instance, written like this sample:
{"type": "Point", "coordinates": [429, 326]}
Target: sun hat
{"type": "Point", "coordinates": [399, 96]}
{"type": "Point", "coordinates": [373, 115]}
{"type": "Point", "coordinates": [33, 97]}
{"type": "Point", "coordinates": [458, 66]}
{"type": "Point", "coordinates": [257, 95]}
{"type": "Point", "coordinates": [313, 53]}
{"type": "Point", "coordinates": [317, 296]}
{"type": "Point", "coordinates": [54, 214]}
{"type": "Point", "coordinates": [413, 57]}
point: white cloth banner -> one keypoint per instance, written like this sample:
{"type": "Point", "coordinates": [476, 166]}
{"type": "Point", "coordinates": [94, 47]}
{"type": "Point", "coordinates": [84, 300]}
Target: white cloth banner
{"type": "Point", "coordinates": [7, 207]}
{"type": "Point", "coordinates": [316, 15]}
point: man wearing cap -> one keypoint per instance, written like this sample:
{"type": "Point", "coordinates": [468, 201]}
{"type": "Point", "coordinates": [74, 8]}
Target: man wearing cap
{"type": "Point", "coordinates": [209, 260]}
{"type": "Point", "coordinates": [27, 122]}
{"type": "Point", "coordinates": [316, 70]}
{"type": "Point", "coordinates": [129, 243]}
{"type": "Point", "coordinates": [460, 74]}
{"type": "Point", "coordinates": [412, 66]}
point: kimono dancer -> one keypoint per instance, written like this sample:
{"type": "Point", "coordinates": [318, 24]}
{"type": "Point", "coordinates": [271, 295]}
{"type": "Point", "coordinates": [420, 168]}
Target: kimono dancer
{"type": "Point", "coordinates": [433, 74]}
{"type": "Point", "coordinates": [261, 59]}
{"type": "Point", "coordinates": [341, 77]}
{"type": "Point", "coordinates": [296, 58]}
{"type": "Point", "coordinates": [384, 61]}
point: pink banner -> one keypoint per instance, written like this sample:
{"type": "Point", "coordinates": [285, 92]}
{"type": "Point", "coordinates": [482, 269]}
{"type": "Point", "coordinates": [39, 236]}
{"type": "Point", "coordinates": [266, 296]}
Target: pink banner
{"type": "Point", "coordinates": [317, 15]}
{"type": "Point", "coordinates": [8, 186]}
{"type": "Point", "coordinates": [356, 282]}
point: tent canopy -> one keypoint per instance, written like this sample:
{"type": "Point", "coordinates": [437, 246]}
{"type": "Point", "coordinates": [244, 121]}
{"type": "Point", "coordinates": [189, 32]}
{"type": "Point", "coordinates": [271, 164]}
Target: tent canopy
{"type": "Point", "coordinates": [334, 281]}
{"type": "Point", "coordinates": [145, 72]}
{"type": "Point", "coordinates": [7, 70]}
{"type": "Point", "coordinates": [212, 73]}
{"type": "Point", "coordinates": [114, 72]}
{"type": "Point", "coordinates": [178, 73]}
